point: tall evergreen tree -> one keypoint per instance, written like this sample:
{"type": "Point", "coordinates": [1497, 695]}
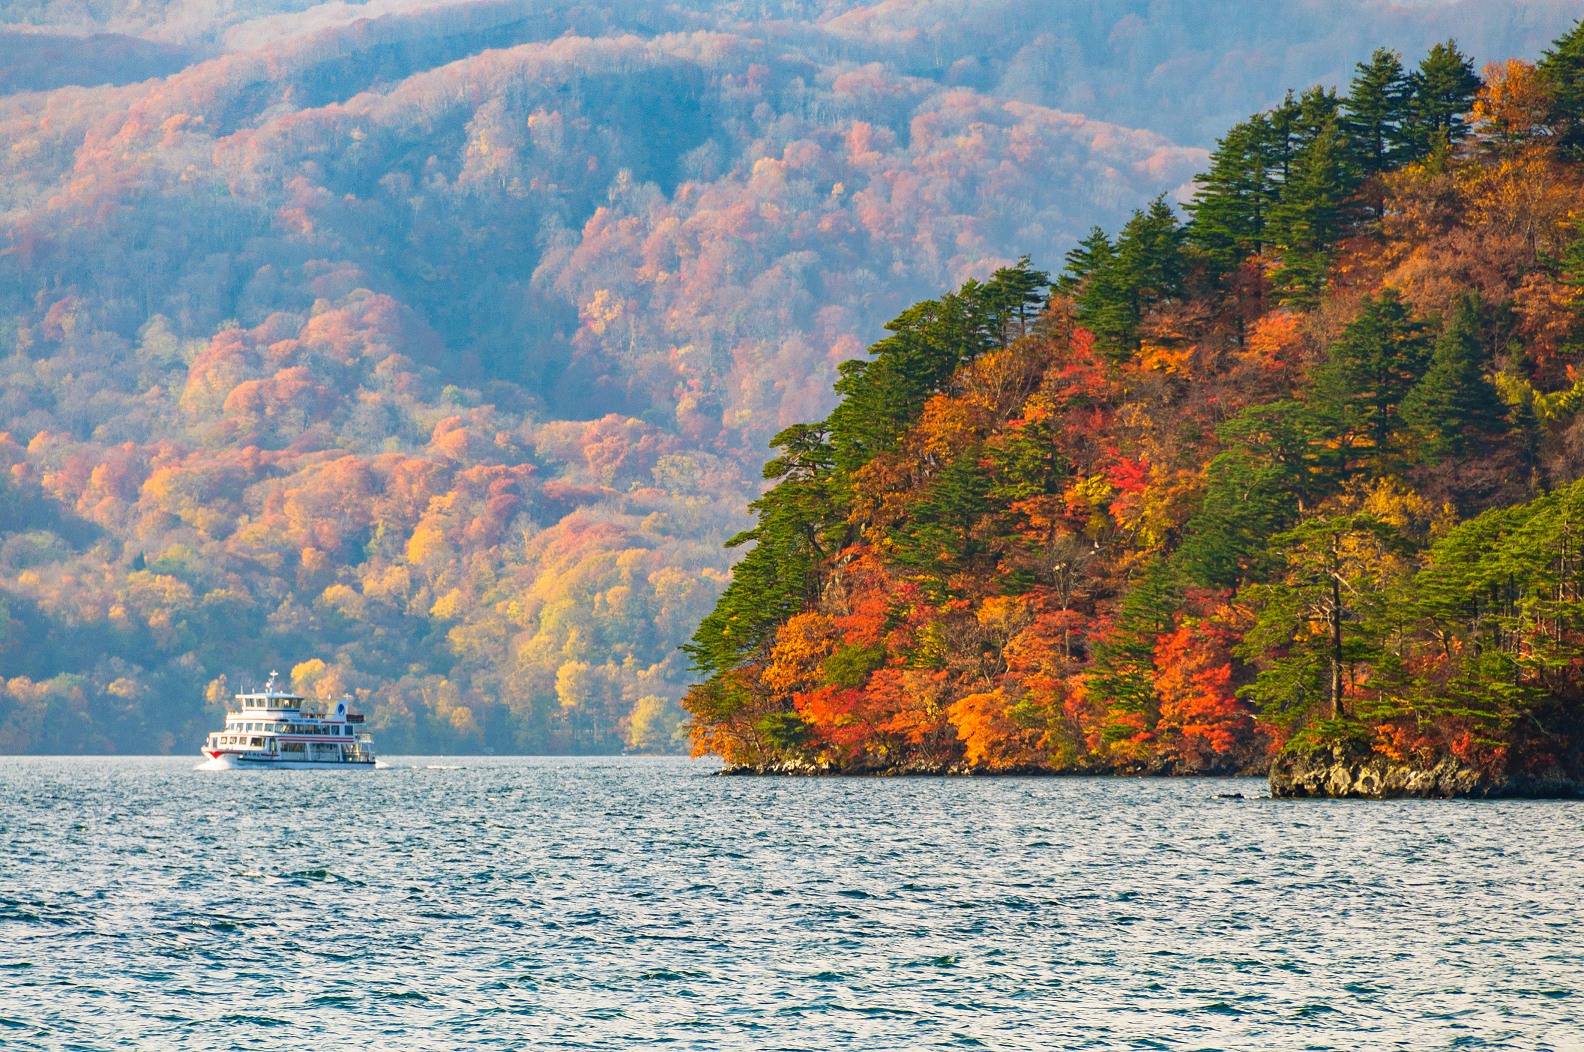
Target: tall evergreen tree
{"type": "Point", "coordinates": [1282, 148]}
{"type": "Point", "coordinates": [1378, 112]}
{"type": "Point", "coordinates": [1312, 217]}
{"type": "Point", "coordinates": [1321, 618]}
{"type": "Point", "coordinates": [1455, 408]}
{"type": "Point", "coordinates": [1092, 253]}
{"type": "Point", "coordinates": [804, 517]}
{"type": "Point", "coordinates": [1231, 206]}
{"type": "Point", "coordinates": [1313, 114]}
{"type": "Point", "coordinates": [779, 575]}
{"type": "Point", "coordinates": [1280, 462]}
{"type": "Point", "coordinates": [882, 398]}
{"type": "Point", "coordinates": [1150, 252]}
{"type": "Point", "coordinates": [1013, 298]}
{"type": "Point", "coordinates": [938, 536]}
{"type": "Point", "coordinates": [1371, 370]}
{"type": "Point", "coordinates": [1562, 66]}
{"type": "Point", "coordinates": [1443, 90]}
{"type": "Point", "coordinates": [1150, 268]}
{"type": "Point", "coordinates": [1124, 658]}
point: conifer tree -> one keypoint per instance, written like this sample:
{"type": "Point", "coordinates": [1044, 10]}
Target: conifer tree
{"type": "Point", "coordinates": [1282, 119]}
{"type": "Point", "coordinates": [882, 398]}
{"type": "Point", "coordinates": [1562, 66]}
{"type": "Point", "coordinates": [1149, 268]}
{"type": "Point", "coordinates": [1378, 112]}
{"type": "Point", "coordinates": [1321, 618]}
{"type": "Point", "coordinates": [1124, 658]}
{"type": "Point", "coordinates": [1371, 370]}
{"type": "Point", "coordinates": [1443, 90]}
{"type": "Point", "coordinates": [803, 519]}
{"type": "Point", "coordinates": [1013, 299]}
{"type": "Point", "coordinates": [1312, 217]}
{"type": "Point", "coordinates": [938, 537]}
{"type": "Point", "coordinates": [1280, 462]}
{"type": "Point", "coordinates": [779, 575]}
{"type": "Point", "coordinates": [1092, 253]}
{"type": "Point", "coordinates": [1312, 115]}
{"type": "Point", "coordinates": [1234, 198]}
{"type": "Point", "coordinates": [1455, 408]}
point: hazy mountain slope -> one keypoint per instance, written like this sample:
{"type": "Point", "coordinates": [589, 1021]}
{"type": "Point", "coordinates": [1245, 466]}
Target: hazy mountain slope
{"type": "Point", "coordinates": [392, 467]}
{"type": "Point", "coordinates": [1187, 69]}
{"type": "Point", "coordinates": [42, 61]}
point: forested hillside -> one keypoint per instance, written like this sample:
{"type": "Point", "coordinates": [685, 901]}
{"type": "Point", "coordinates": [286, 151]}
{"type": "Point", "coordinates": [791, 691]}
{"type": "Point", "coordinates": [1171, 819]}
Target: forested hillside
{"type": "Point", "coordinates": [1304, 467]}
{"type": "Point", "coordinates": [443, 389]}
{"type": "Point", "coordinates": [430, 353]}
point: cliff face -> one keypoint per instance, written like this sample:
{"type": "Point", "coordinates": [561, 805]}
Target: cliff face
{"type": "Point", "coordinates": [1353, 772]}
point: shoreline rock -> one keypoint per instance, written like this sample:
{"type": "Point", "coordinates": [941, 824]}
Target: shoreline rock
{"type": "Point", "coordinates": [1351, 771]}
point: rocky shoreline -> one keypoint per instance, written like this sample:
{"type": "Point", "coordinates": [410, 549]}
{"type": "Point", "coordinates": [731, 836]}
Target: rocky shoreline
{"type": "Point", "coordinates": [1347, 770]}
{"type": "Point", "coordinates": [815, 769]}
{"type": "Point", "coordinates": [1351, 771]}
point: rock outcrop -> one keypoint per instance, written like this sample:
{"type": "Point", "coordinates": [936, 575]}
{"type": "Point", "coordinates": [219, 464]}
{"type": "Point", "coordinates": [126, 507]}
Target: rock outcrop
{"type": "Point", "coordinates": [1353, 771]}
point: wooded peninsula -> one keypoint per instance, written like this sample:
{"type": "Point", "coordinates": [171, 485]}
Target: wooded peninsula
{"type": "Point", "coordinates": [1295, 484]}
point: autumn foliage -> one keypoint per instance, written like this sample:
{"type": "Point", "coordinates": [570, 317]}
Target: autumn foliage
{"type": "Point", "coordinates": [1303, 468]}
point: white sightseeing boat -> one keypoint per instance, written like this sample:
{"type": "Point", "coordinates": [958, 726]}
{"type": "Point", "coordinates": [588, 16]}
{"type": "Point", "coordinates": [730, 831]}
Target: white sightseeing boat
{"type": "Point", "coordinates": [274, 729]}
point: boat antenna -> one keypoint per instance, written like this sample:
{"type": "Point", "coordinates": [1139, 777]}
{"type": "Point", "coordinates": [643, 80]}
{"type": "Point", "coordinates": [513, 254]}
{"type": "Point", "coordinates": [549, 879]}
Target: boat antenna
{"type": "Point", "coordinates": [269, 688]}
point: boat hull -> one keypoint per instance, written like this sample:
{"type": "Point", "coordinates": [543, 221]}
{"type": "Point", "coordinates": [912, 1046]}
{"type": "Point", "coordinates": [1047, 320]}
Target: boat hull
{"type": "Point", "coordinates": [241, 761]}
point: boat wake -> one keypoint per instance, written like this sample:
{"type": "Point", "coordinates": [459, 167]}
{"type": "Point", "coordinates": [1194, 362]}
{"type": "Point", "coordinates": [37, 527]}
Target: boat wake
{"type": "Point", "coordinates": [221, 763]}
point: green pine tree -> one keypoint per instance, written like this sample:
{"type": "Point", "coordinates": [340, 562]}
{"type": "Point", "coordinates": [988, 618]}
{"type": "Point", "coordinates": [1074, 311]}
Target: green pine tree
{"type": "Point", "coordinates": [939, 535]}
{"type": "Point", "coordinates": [780, 574]}
{"type": "Point", "coordinates": [882, 398]}
{"type": "Point", "coordinates": [804, 518]}
{"type": "Point", "coordinates": [1369, 372]}
{"type": "Point", "coordinates": [1280, 462]}
{"type": "Point", "coordinates": [1443, 90]}
{"type": "Point", "coordinates": [1230, 207]}
{"type": "Point", "coordinates": [1312, 216]}
{"type": "Point", "coordinates": [1378, 112]}
{"type": "Point", "coordinates": [1124, 658]}
{"type": "Point", "coordinates": [1320, 618]}
{"type": "Point", "coordinates": [1562, 65]}
{"type": "Point", "coordinates": [1313, 113]}
{"type": "Point", "coordinates": [1150, 268]}
{"type": "Point", "coordinates": [1455, 407]}
{"type": "Point", "coordinates": [1092, 253]}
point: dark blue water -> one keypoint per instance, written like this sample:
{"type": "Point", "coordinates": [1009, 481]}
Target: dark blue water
{"type": "Point", "coordinates": [507, 903]}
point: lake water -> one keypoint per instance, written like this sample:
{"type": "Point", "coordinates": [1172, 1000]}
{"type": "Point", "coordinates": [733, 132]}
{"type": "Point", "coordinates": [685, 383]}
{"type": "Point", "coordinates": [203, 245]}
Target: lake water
{"type": "Point", "coordinates": [504, 903]}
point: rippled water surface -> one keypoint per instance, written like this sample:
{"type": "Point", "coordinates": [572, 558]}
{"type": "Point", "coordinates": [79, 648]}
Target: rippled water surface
{"type": "Point", "coordinates": [505, 903]}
